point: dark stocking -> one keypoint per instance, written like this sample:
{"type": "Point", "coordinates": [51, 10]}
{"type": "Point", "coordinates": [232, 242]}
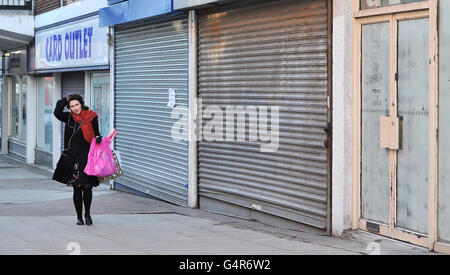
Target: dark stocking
{"type": "Point", "coordinates": [87, 198]}
{"type": "Point", "coordinates": [78, 200]}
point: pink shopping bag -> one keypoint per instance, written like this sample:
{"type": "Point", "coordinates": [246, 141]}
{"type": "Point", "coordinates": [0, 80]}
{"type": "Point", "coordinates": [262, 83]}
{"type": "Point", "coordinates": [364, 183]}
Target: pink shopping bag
{"type": "Point", "coordinates": [100, 159]}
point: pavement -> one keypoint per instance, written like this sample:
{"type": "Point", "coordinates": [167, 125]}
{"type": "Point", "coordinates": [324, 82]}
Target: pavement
{"type": "Point", "coordinates": [37, 217]}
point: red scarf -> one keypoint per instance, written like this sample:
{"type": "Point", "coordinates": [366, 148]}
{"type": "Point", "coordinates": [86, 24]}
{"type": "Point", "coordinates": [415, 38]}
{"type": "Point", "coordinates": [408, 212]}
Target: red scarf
{"type": "Point", "coordinates": [86, 116]}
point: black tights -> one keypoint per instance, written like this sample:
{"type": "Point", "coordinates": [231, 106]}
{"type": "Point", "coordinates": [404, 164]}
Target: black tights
{"type": "Point", "coordinates": [82, 194]}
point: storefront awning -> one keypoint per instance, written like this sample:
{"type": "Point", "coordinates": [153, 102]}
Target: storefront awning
{"type": "Point", "coordinates": [133, 10]}
{"type": "Point", "coordinates": [10, 41]}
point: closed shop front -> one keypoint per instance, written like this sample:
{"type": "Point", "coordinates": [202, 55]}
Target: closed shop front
{"type": "Point", "coordinates": [151, 62]}
{"type": "Point", "coordinates": [68, 55]}
{"type": "Point", "coordinates": [400, 155]}
{"type": "Point", "coordinates": [268, 61]}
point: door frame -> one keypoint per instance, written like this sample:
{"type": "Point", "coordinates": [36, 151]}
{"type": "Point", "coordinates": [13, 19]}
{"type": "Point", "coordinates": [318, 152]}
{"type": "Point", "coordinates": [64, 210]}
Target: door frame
{"type": "Point", "coordinates": [393, 14]}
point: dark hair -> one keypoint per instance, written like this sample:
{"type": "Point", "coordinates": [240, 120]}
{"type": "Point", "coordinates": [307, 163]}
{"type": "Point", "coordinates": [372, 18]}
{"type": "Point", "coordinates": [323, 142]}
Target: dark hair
{"type": "Point", "coordinates": [79, 98]}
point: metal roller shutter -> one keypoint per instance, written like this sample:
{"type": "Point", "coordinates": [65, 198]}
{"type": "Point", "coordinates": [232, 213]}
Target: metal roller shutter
{"type": "Point", "coordinates": [151, 59]}
{"type": "Point", "coordinates": [268, 54]}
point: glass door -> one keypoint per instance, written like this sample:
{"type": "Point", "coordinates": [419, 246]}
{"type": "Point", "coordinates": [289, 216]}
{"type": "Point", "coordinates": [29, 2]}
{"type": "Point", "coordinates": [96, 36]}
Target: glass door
{"type": "Point", "coordinates": [101, 101]}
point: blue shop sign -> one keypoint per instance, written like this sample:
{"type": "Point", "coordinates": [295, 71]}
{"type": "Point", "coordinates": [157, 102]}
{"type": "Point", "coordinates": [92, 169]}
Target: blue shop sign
{"type": "Point", "coordinates": [133, 10]}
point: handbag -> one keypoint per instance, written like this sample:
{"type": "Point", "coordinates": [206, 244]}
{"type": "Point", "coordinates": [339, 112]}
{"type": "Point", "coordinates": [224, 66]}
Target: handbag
{"type": "Point", "coordinates": [119, 171]}
{"type": "Point", "coordinates": [117, 162]}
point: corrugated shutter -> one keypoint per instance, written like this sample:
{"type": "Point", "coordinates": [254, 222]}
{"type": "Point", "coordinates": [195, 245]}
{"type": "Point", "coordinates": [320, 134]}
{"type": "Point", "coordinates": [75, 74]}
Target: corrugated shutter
{"type": "Point", "coordinates": [41, 6]}
{"type": "Point", "coordinates": [150, 59]}
{"type": "Point", "coordinates": [268, 54]}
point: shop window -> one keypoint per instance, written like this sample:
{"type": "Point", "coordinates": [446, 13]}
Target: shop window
{"type": "Point", "coordinates": [15, 100]}
{"type": "Point", "coordinates": [18, 115]}
{"type": "Point", "coordinates": [1, 104]}
{"type": "Point", "coordinates": [370, 4]}
{"type": "Point", "coordinates": [24, 109]}
{"type": "Point", "coordinates": [100, 101]}
{"type": "Point", "coordinates": [45, 113]}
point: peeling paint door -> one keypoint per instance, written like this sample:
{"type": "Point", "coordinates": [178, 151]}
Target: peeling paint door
{"type": "Point", "coordinates": [375, 103]}
{"type": "Point", "coordinates": [412, 93]}
{"type": "Point", "coordinates": [395, 87]}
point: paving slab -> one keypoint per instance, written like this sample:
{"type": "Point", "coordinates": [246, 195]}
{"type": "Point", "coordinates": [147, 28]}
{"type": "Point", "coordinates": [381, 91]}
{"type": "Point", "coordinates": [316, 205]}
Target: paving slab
{"type": "Point", "coordinates": [136, 234]}
{"type": "Point", "coordinates": [37, 216]}
{"type": "Point", "coordinates": [17, 196]}
{"type": "Point", "coordinates": [18, 173]}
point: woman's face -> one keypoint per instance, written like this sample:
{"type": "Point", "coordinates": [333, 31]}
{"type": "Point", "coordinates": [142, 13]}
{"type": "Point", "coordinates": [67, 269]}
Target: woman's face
{"type": "Point", "coordinates": [75, 106]}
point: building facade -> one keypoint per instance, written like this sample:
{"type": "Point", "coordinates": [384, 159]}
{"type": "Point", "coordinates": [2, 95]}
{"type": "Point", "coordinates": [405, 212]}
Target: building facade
{"type": "Point", "coordinates": [239, 63]}
{"type": "Point", "coordinates": [324, 113]}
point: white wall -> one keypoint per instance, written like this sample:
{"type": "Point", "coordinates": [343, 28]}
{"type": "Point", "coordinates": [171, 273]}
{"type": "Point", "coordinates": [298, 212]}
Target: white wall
{"type": "Point", "coordinates": [17, 21]}
{"type": "Point", "coordinates": [57, 95]}
{"type": "Point", "coordinates": [31, 115]}
{"type": "Point", "coordinates": [342, 109]}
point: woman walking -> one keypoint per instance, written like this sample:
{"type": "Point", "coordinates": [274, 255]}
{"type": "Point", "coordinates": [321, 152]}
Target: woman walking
{"type": "Point", "coordinates": [81, 127]}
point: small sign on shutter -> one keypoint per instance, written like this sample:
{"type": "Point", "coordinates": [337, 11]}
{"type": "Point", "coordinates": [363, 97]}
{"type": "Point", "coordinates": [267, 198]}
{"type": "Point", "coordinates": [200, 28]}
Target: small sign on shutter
{"type": "Point", "coordinates": [171, 102]}
{"type": "Point", "coordinates": [256, 206]}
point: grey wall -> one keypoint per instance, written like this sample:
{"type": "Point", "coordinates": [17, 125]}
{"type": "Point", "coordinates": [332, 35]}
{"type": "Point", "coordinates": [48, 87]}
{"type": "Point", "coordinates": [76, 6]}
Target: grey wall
{"type": "Point", "coordinates": [342, 117]}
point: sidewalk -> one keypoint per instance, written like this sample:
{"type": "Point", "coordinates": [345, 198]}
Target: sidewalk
{"type": "Point", "coordinates": [37, 217]}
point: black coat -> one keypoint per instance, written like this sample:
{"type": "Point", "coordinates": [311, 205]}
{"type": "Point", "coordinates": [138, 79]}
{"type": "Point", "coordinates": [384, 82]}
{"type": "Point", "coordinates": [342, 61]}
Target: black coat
{"type": "Point", "coordinates": [77, 151]}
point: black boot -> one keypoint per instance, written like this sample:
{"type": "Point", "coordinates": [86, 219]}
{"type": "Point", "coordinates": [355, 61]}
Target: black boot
{"type": "Point", "coordinates": [80, 221]}
{"type": "Point", "coordinates": [88, 219]}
